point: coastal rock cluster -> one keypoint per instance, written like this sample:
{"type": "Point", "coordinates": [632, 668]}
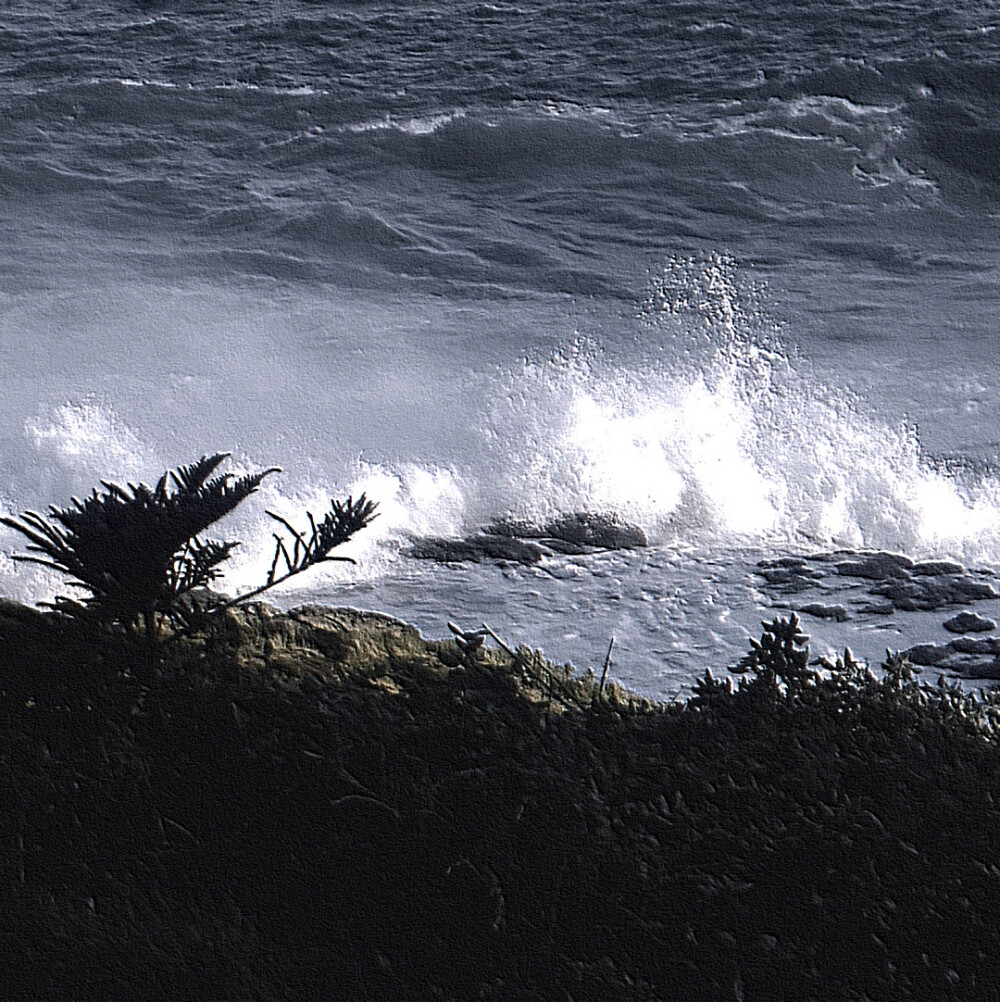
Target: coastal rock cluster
{"type": "Point", "coordinates": [889, 582]}
{"type": "Point", "coordinates": [881, 584]}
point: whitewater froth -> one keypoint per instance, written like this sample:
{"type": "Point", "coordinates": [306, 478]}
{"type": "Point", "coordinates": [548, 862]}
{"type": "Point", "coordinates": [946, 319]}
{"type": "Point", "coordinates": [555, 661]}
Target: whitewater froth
{"type": "Point", "coordinates": [705, 428]}
{"type": "Point", "coordinates": [728, 438]}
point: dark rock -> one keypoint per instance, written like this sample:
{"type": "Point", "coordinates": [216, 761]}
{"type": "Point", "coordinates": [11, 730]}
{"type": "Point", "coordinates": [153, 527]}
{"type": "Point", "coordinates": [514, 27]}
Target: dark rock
{"type": "Point", "coordinates": [567, 549]}
{"type": "Point", "coordinates": [972, 591]}
{"type": "Point", "coordinates": [581, 529]}
{"type": "Point", "coordinates": [833, 556]}
{"type": "Point", "coordinates": [907, 595]}
{"type": "Point", "coordinates": [937, 567]}
{"type": "Point", "coordinates": [928, 655]}
{"type": "Point", "coordinates": [788, 578]}
{"type": "Point", "coordinates": [929, 593]}
{"type": "Point", "coordinates": [969, 622]}
{"type": "Point", "coordinates": [985, 670]}
{"type": "Point", "coordinates": [605, 531]}
{"type": "Point", "coordinates": [524, 543]}
{"type": "Point", "coordinates": [877, 608]}
{"type": "Point", "coordinates": [877, 566]}
{"type": "Point", "coordinates": [476, 548]}
{"type": "Point", "coordinates": [970, 657]}
{"type": "Point", "coordinates": [976, 645]}
{"type": "Point", "coordinates": [796, 563]}
{"type": "Point", "coordinates": [820, 611]}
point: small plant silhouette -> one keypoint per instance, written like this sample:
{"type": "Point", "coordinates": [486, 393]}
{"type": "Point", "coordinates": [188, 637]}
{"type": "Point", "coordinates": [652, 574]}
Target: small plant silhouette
{"type": "Point", "coordinates": [781, 655]}
{"type": "Point", "coordinates": [137, 554]}
{"type": "Point", "coordinates": [710, 691]}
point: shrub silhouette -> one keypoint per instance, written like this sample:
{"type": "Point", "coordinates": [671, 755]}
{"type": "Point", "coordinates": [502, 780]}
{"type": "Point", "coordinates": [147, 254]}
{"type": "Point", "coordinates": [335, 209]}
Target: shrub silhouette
{"type": "Point", "coordinates": [780, 656]}
{"type": "Point", "coordinates": [136, 551]}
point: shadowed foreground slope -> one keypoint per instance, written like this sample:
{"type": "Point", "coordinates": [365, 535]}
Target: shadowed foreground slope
{"type": "Point", "coordinates": [324, 805]}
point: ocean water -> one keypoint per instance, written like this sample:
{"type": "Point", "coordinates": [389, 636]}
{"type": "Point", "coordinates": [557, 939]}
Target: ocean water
{"type": "Point", "coordinates": [729, 274]}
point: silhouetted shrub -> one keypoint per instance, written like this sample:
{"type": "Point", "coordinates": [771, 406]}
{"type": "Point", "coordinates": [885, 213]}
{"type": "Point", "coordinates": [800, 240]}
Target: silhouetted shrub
{"type": "Point", "coordinates": [781, 656]}
{"type": "Point", "coordinates": [137, 554]}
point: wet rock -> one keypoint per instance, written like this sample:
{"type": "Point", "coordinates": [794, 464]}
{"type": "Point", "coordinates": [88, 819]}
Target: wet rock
{"type": "Point", "coordinates": [906, 595]}
{"type": "Point", "coordinates": [877, 608]}
{"type": "Point", "coordinates": [820, 611]}
{"type": "Point", "coordinates": [937, 567]}
{"type": "Point", "coordinates": [969, 622]}
{"type": "Point", "coordinates": [476, 549]}
{"type": "Point", "coordinates": [970, 657]}
{"type": "Point", "coordinates": [970, 666]}
{"type": "Point", "coordinates": [799, 562]}
{"type": "Point", "coordinates": [790, 575]}
{"type": "Point", "coordinates": [976, 645]}
{"type": "Point", "coordinates": [833, 556]}
{"type": "Point", "coordinates": [565, 548]}
{"type": "Point", "coordinates": [928, 655]}
{"type": "Point", "coordinates": [580, 532]}
{"type": "Point", "coordinates": [789, 579]}
{"type": "Point", "coordinates": [876, 566]}
{"type": "Point", "coordinates": [929, 593]}
{"type": "Point", "coordinates": [987, 671]}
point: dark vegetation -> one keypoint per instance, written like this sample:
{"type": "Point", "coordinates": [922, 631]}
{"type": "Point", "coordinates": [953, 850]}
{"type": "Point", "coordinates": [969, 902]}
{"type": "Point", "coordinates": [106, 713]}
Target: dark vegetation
{"type": "Point", "coordinates": [137, 555]}
{"type": "Point", "coordinates": [320, 804]}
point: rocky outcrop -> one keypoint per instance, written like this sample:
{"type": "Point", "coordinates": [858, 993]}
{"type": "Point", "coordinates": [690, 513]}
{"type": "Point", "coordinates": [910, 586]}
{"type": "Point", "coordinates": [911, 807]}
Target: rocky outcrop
{"type": "Point", "coordinates": [891, 581]}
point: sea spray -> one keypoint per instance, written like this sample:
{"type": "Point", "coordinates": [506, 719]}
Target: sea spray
{"type": "Point", "coordinates": [703, 429]}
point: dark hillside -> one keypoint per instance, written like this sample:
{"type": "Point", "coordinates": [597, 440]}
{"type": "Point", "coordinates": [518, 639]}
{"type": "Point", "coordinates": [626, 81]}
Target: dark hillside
{"type": "Point", "coordinates": [324, 805]}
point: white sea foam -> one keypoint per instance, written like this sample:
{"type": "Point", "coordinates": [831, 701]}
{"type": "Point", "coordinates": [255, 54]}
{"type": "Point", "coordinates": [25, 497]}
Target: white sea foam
{"type": "Point", "coordinates": [146, 82]}
{"type": "Point", "coordinates": [415, 126]}
{"type": "Point", "coordinates": [707, 434]}
{"type": "Point", "coordinates": [87, 437]}
{"type": "Point", "coordinates": [728, 442]}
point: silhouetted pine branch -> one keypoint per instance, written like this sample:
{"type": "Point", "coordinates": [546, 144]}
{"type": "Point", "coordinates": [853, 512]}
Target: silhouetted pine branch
{"type": "Point", "coordinates": [339, 524]}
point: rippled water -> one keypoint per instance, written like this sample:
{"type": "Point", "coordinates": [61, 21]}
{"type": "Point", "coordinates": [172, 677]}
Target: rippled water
{"type": "Point", "coordinates": [729, 273]}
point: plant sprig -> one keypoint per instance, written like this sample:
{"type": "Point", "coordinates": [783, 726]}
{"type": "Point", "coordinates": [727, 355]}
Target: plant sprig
{"type": "Point", "coordinates": [341, 522]}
